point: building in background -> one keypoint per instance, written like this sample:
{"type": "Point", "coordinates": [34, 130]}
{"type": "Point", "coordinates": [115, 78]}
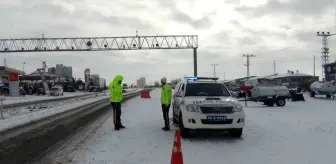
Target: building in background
{"type": "Point", "coordinates": [94, 76]}
{"type": "Point", "coordinates": [67, 71]}
{"type": "Point", "coordinates": [61, 70]}
{"type": "Point", "coordinates": [87, 74]}
{"type": "Point", "coordinates": [141, 83]}
{"type": "Point", "coordinates": [52, 70]}
{"type": "Point", "coordinates": [292, 79]}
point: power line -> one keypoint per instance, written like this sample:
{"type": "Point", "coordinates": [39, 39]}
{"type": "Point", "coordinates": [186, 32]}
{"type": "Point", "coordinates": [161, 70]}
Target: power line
{"type": "Point", "coordinates": [248, 64]}
{"type": "Point", "coordinates": [314, 64]}
{"type": "Point", "coordinates": [214, 69]}
{"type": "Point", "coordinates": [274, 67]}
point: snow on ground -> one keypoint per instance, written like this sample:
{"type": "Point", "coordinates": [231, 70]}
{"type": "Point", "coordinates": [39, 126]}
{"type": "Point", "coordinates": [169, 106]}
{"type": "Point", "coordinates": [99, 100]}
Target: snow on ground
{"type": "Point", "coordinates": [37, 115]}
{"type": "Point", "coordinates": [299, 133]}
{"type": "Point", "coordinates": [28, 98]}
{"type": "Point", "coordinates": [19, 110]}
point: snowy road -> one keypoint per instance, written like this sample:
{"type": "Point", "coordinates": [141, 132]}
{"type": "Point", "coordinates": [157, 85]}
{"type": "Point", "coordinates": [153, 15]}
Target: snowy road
{"type": "Point", "coordinates": [299, 133]}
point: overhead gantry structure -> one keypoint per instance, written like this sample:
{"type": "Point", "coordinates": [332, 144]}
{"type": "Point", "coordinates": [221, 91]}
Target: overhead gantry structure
{"type": "Point", "coordinates": [102, 44]}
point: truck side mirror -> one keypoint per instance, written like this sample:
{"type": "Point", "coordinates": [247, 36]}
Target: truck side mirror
{"type": "Point", "coordinates": [178, 94]}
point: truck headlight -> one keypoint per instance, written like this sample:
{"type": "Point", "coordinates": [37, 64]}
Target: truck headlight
{"type": "Point", "coordinates": [192, 108]}
{"type": "Point", "coordinates": [238, 108]}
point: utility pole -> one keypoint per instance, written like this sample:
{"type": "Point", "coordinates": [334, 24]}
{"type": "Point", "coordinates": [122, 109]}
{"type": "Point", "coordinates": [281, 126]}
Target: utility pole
{"type": "Point", "coordinates": [314, 64]}
{"type": "Point", "coordinates": [214, 69]}
{"type": "Point", "coordinates": [274, 67]}
{"type": "Point", "coordinates": [23, 68]}
{"type": "Point", "coordinates": [224, 75]}
{"type": "Point", "coordinates": [5, 62]}
{"type": "Point", "coordinates": [325, 49]}
{"type": "Point", "coordinates": [248, 64]}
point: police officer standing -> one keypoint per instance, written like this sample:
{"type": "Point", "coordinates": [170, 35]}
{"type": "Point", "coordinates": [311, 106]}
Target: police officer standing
{"type": "Point", "coordinates": [166, 94]}
{"type": "Point", "coordinates": [116, 96]}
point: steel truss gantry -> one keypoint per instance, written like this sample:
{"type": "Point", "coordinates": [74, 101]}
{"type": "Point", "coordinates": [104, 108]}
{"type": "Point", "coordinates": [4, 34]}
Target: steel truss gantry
{"type": "Point", "coordinates": [102, 44]}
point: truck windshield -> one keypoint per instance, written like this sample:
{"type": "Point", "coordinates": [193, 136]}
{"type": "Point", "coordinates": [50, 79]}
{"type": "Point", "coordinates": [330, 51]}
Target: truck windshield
{"type": "Point", "coordinates": [206, 89]}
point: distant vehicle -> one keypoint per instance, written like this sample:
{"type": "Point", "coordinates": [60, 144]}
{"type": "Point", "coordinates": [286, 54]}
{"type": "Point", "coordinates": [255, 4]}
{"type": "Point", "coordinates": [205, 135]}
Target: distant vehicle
{"type": "Point", "coordinates": [67, 86]}
{"type": "Point", "coordinates": [327, 88]}
{"type": "Point", "coordinates": [4, 90]}
{"type": "Point", "coordinates": [201, 103]}
{"type": "Point", "coordinates": [270, 94]}
{"type": "Point", "coordinates": [93, 88]}
{"type": "Point", "coordinates": [56, 91]}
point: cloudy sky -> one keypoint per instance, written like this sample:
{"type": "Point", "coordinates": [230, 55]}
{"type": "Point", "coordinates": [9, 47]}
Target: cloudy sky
{"type": "Point", "coordinates": [280, 30]}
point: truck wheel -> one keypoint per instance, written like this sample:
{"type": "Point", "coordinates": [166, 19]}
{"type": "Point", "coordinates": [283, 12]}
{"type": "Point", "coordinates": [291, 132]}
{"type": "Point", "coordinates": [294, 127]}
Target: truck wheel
{"type": "Point", "coordinates": [184, 131]}
{"type": "Point", "coordinates": [30, 91]}
{"type": "Point", "coordinates": [5, 92]}
{"type": "Point", "coordinates": [312, 94]}
{"type": "Point", "coordinates": [270, 103]}
{"type": "Point", "coordinates": [237, 133]}
{"type": "Point", "coordinates": [328, 96]}
{"type": "Point", "coordinates": [280, 102]}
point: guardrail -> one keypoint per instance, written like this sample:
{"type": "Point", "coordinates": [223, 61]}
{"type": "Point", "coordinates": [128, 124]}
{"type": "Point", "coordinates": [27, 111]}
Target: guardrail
{"type": "Point", "coordinates": [39, 134]}
{"type": "Point", "coordinates": [11, 110]}
{"type": "Point", "coordinates": [26, 109]}
{"type": "Point", "coordinates": [13, 105]}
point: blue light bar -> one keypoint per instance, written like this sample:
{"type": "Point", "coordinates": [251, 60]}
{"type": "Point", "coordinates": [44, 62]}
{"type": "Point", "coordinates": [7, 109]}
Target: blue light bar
{"type": "Point", "coordinates": [190, 78]}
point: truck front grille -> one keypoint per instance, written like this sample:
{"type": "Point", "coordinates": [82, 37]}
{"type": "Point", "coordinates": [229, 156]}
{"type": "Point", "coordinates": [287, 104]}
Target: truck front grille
{"type": "Point", "coordinates": [221, 109]}
{"type": "Point", "coordinates": [228, 121]}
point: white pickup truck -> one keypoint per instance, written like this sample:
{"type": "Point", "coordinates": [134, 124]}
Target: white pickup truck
{"type": "Point", "coordinates": [206, 104]}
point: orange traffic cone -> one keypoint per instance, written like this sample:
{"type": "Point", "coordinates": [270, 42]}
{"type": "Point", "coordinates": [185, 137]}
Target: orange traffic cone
{"type": "Point", "coordinates": [176, 157]}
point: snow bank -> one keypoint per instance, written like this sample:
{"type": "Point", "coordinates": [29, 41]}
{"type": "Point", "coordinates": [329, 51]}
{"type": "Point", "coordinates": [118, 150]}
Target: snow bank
{"type": "Point", "coordinates": [29, 98]}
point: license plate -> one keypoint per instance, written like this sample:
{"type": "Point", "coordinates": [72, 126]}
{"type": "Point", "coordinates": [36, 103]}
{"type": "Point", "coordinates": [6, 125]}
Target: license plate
{"type": "Point", "coordinates": [216, 118]}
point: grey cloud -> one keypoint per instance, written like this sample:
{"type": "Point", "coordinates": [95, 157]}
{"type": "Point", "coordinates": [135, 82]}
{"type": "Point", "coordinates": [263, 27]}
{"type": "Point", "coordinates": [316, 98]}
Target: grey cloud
{"type": "Point", "coordinates": [257, 33]}
{"type": "Point", "coordinates": [204, 22]}
{"type": "Point", "coordinates": [181, 17]}
{"type": "Point", "coordinates": [247, 41]}
{"type": "Point", "coordinates": [307, 36]}
{"type": "Point", "coordinates": [300, 7]}
{"type": "Point", "coordinates": [235, 22]}
{"type": "Point", "coordinates": [223, 39]}
{"type": "Point", "coordinates": [287, 27]}
{"type": "Point", "coordinates": [252, 37]}
{"type": "Point", "coordinates": [54, 20]}
{"type": "Point", "coordinates": [235, 2]}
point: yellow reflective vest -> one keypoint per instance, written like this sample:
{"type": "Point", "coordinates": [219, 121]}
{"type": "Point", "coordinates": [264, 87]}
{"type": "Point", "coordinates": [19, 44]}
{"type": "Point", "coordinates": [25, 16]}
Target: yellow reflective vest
{"type": "Point", "coordinates": [166, 94]}
{"type": "Point", "coordinates": [116, 94]}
